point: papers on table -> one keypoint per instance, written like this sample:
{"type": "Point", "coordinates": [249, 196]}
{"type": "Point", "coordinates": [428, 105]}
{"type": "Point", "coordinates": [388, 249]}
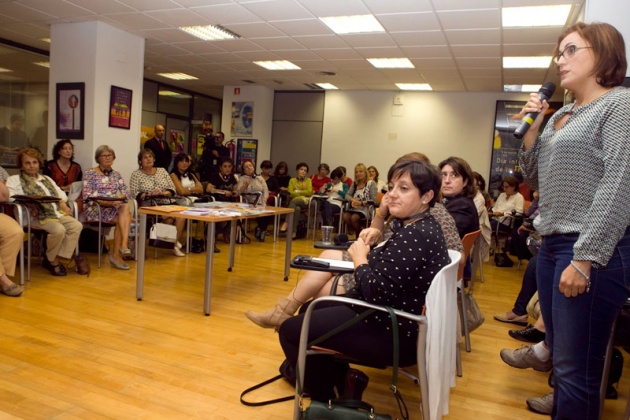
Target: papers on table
{"type": "Point", "coordinates": [214, 208]}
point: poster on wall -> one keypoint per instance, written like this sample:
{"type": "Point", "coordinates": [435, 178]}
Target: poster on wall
{"type": "Point", "coordinates": [506, 147]}
{"type": "Point", "coordinates": [70, 111]}
{"type": "Point", "coordinates": [120, 107]}
{"type": "Point", "coordinates": [176, 140]}
{"type": "Point", "coordinates": [242, 119]}
{"type": "Point", "coordinates": [246, 151]}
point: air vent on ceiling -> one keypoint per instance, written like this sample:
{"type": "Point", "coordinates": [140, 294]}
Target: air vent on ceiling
{"type": "Point", "coordinates": [280, 82]}
{"type": "Point", "coordinates": [326, 73]}
{"type": "Point", "coordinates": [249, 81]}
{"type": "Point", "coordinates": [313, 86]}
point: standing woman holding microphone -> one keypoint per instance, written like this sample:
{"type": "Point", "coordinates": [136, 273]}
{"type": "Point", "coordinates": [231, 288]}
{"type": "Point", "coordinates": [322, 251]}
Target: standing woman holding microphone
{"type": "Point", "coordinates": [581, 165]}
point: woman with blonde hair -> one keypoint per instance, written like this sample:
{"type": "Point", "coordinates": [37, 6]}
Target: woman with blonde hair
{"type": "Point", "coordinates": [362, 192]}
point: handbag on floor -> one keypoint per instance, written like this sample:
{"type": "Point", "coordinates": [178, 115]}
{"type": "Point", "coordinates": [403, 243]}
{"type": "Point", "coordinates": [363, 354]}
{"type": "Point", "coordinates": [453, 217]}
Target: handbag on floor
{"type": "Point", "coordinates": [473, 313]}
{"type": "Point", "coordinates": [162, 235]}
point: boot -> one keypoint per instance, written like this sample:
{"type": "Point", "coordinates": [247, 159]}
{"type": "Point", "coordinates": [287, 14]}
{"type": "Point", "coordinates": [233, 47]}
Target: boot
{"type": "Point", "coordinates": [354, 384]}
{"type": "Point", "coordinates": [273, 318]}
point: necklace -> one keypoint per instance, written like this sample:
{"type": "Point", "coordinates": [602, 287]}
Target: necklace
{"type": "Point", "coordinates": [106, 172]}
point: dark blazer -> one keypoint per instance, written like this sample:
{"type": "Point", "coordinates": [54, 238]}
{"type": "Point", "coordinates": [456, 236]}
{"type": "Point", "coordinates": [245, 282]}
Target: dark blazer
{"type": "Point", "coordinates": [163, 157]}
{"type": "Point", "coordinates": [464, 212]}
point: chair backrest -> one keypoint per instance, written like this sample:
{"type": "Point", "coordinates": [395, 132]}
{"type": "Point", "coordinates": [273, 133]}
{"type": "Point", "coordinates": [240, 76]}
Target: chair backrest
{"type": "Point", "coordinates": [440, 347]}
{"type": "Point", "coordinates": [467, 241]}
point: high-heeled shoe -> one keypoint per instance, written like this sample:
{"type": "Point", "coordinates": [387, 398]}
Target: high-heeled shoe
{"type": "Point", "coordinates": [116, 264]}
{"type": "Point", "coordinates": [126, 254]}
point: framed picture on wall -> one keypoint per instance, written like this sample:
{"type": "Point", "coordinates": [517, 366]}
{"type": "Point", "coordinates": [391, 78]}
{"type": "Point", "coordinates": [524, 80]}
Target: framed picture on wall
{"type": "Point", "coordinates": [120, 107]}
{"type": "Point", "coordinates": [70, 111]}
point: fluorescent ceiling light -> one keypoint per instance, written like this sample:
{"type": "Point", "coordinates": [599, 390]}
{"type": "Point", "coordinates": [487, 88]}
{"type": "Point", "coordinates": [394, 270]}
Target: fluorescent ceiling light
{"type": "Point", "coordinates": [45, 40]}
{"type": "Point", "coordinates": [174, 94]}
{"type": "Point", "coordinates": [178, 76]}
{"type": "Point", "coordinates": [327, 86]}
{"type": "Point", "coordinates": [414, 86]}
{"type": "Point", "coordinates": [5, 70]}
{"type": "Point", "coordinates": [521, 88]}
{"type": "Point", "coordinates": [277, 65]}
{"type": "Point", "coordinates": [535, 16]}
{"type": "Point", "coordinates": [352, 24]}
{"type": "Point", "coordinates": [391, 63]}
{"type": "Point", "coordinates": [526, 62]}
{"type": "Point", "coordinates": [209, 32]}
{"type": "Point", "coordinates": [43, 64]}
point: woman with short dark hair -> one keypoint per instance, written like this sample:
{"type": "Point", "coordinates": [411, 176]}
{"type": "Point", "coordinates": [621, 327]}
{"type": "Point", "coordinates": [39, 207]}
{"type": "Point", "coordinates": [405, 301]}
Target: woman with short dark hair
{"type": "Point", "coordinates": [62, 168]}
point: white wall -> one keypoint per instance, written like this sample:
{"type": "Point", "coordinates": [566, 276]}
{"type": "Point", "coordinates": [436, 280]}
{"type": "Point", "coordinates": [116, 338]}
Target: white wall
{"type": "Point", "coordinates": [100, 56]}
{"type": "Point", "coordinates": [262, 97]}
{"type": "Point", "coordinates": [359, 127]}
{"type": "Point", "coordinates": [615, 12]}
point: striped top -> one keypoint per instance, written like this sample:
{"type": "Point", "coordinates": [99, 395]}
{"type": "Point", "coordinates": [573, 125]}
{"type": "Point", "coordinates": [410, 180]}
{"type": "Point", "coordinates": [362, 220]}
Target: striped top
{"type": "Point", "coordinates": [582, 172]}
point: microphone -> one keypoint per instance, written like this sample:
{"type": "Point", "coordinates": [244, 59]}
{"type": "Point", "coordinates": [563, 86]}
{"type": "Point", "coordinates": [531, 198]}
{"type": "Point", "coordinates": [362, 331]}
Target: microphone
{"type": "Point", "coordinates": [546, 91]}
{"type": "Point", "coordinates": [341, 239]}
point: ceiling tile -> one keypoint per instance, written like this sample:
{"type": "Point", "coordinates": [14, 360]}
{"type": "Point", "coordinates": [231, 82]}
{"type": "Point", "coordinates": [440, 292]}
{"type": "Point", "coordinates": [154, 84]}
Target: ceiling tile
{"type": "Point", "coordinates": [476, 51]}
{"type": "Point", "coordinates": [177, 18]}
{"type": "Point", "coordinates": [101, 7]}
{"type": "Point", "coordinates": [322, 42]}
{"type": "Point", "coordinates": [274, 10]}
{"type": "Point", "coordinates": [409, 22]}
{"type": "Point", "coordinates": [468, 4]}
{"type": "Point", "coordinates": [471, 19]}
{"type": "Point", "coordinates": [424, 38]}
{"type": "Point", "coordinates": [324, 8]}
{"type": "Point", "coordinates": [398, 6]}
{"type": "Point", "coordinates": [227, 14]}
{"type": "Point", "coordinates": [475, 36]}
{"type": "Point", "coordinates": [278, 44]}
{"type": "Point", "coordinates": [255, 30]}
{"type": "Point", "coordinates": [146, 5]}
{"type": "Point", "coordinates": [369, 40]}
{"type": "Point", "coordinates": [302, 27]}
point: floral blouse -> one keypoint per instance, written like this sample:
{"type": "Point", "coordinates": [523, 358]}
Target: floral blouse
{"type": "Point", "coordinates": [97, 185]}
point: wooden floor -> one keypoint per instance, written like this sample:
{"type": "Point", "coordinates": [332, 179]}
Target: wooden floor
{"type": "Point", "coordinates": [84, 348]}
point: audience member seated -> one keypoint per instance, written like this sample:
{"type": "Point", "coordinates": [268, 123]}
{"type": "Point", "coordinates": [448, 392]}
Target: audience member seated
{"type": "Point", "coordinates": [482, 201]}
{"type": "Point", "coordinates": [321, 178]}
{"type": "Point", "coordinates": [152, 186]}
{"type": "Point", "coordinates": [336, 191]}
{"type": "Point", "coordinates": [281, 173]}
{"type": "Point", "coordinates": [186, 183]}
{"type": "Point", "coordinates": [300, 189]}
{"type": "Point", "coordinates": [360, 195]}
{"type": "Point", "coordinates": [345, 179]}
{"type": "Point", "coordinates": [509, 203]}
{"type": "Point", "coordinates": [11, 237]}
{"type": "Point", "coordinates": [480, 183]}
{"type": "Point", "coordinates": [518, 240]}
{"type": "Point", "coordinates": [373, 175]}
{"type": "Point", "coordinates": [248, 186]}
{"type": "Point", "coordinates": [458, 191]}
{"type": "Point", "coordinates": [62, 168]}
{"type": "Point", "coordinates": [272, 182]}
{"type": "Point", "coordinates": [222, 184]}
{"type": "Point", "coordinates": [54, 218]}
{"type": "Point", "coordinates": [4, 175]}
{"type": "Point", "coordinates": [104, 182]}
{"type": "Point", "coordinates": [313, 285]}
{"type": "Point", "coordinates": [396, 273]}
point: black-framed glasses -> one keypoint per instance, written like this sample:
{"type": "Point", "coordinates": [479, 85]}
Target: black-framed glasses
{"type": "Point", "coordinates": [567, 53]}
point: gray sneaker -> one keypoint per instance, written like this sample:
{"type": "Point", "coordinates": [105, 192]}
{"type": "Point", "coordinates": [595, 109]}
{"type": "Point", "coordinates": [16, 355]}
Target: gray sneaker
{"type": "Point", "coordinates": [541, 405]}
{"type": "Point", "coordinates": [524, 358]}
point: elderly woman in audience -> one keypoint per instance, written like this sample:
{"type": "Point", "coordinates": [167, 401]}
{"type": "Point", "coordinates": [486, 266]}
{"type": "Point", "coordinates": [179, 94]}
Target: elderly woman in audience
{"type": "Point", "coordinates": [54, 218]}
{"type": "Point", "coordinates": [11, 237]}
{"type": "Point", "coordinates": [254, 190]}
{"type": "Point", "coordinates": [510, 202]}
{"type": "Point", "coordinates": [62, 168]}
{"type": "Point", "coordinates": [153, 186]}
{"type": "Point", "coordinates": [105, 187]}
{"type": "Point", "coordinates": [321, 178]}
{"type": "Point", "coordinates": [396, 272]}
{"type": "Point", "coordinates": [361, 194]}
{"type": "Point", "coordinates": [186, 183]}
{"type": "Point", "coordinates": [300, 190]}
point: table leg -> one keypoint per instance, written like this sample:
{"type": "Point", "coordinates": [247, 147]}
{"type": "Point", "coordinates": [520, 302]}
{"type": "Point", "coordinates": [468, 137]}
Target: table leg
{"type": "Point", "coordinates": [207, 292]}
{"type": "Point", "coordinates": [287, 251]}
{"type": "Point", "coordinates": [141, 237]}
{"type": "Point", "coordinates": [232, 242]}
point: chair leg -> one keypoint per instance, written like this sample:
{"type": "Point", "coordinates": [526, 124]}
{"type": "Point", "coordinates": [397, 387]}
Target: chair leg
{"type": "Point", "coordinates": [464, 317]}
{"type": "Point", "coordinates": [458, 359]}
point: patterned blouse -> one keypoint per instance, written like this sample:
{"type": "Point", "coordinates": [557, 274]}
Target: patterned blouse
{"type": "Point", "coordinates": [143, 183]}
{"type": "Point", "coordinates": [97, 185]}
{"type": "Point", "coordinates": [400, 270]}
{"type": "Point", "coordinates": [258, 184]}
{"type": "Point", "coordinates": [582, 172]}
{"type": "Point", "coordinates": [367, 193]}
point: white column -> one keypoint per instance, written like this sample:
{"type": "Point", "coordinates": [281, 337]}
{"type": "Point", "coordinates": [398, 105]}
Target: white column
{"type": "Point", "coordinates": [615, 12]}
{"type": "Point", "coordinates": [100, 56]}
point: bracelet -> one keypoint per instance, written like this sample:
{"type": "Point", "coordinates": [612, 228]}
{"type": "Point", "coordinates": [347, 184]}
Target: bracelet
{"type": "Point", "coordinates": [379, 214]}
{"type": "Point", "coordinates": [588, 279]}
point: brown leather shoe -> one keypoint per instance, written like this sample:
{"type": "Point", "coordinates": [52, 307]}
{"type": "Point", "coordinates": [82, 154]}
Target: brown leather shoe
{"type": "Point", "coordinates": [354, 384]}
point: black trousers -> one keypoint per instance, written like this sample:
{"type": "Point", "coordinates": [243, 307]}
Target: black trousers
{"type": "Point", "coordinates": [368, 341]}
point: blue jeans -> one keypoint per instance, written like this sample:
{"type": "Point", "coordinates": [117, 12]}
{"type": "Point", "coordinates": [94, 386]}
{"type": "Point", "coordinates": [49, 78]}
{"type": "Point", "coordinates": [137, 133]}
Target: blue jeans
{"type": "Point", "coordinates": [578, 328]}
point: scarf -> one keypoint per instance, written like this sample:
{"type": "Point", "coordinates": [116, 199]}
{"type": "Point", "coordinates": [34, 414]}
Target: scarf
{"type": "Point", "coordinates": [45, 212]}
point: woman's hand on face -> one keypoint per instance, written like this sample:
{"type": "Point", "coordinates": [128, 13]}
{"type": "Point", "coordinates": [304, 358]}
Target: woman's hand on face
{"type": "Point", "coordinates": [358, 251]}
{"type": "Point", "coordinates": [572, 283]}
{"type": "Point", "coordinates": [383, 207]}
{"type": "Point", "coordinates": [370, 235]}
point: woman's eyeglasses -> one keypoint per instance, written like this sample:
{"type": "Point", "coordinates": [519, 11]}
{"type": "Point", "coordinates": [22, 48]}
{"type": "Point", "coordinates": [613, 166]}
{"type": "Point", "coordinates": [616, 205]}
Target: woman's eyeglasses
{"type": "Point", "coordinates": [567, 53]}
